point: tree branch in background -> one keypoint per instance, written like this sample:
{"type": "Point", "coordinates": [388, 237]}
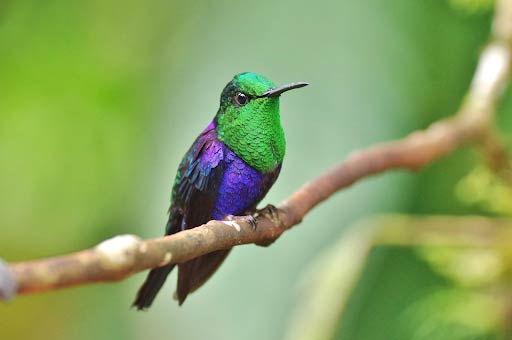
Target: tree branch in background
{"type": "Point", "coordinates": [122, 256]}
{"type": "Point", "coordinates": [470, 251]}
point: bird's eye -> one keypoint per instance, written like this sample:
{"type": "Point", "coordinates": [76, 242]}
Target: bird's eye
{"type": "Point", "coordinates": [241, 99]}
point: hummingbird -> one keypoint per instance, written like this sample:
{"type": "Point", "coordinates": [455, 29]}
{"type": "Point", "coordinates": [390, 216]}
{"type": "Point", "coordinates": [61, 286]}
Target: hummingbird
{"type": "Point", "coordinates": [227, 171]}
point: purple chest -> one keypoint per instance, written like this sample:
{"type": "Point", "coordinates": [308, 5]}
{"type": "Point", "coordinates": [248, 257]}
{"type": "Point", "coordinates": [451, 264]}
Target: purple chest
{"type": "Point", "coordinates": [241, 188]}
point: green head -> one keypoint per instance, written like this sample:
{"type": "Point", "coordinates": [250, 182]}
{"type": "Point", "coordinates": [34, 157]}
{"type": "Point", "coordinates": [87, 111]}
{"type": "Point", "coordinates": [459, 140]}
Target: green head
{"type": "Point", "coordinates": [248, 120]}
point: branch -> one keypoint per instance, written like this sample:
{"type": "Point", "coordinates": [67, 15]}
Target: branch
{"type": "Point", "coordinates": [122, 256]}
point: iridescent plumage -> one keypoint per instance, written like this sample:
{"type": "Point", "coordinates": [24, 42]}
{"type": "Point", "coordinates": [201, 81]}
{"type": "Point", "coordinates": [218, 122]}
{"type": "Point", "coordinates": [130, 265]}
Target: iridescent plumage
{"type": "Point", "coordinates": [227, 171]}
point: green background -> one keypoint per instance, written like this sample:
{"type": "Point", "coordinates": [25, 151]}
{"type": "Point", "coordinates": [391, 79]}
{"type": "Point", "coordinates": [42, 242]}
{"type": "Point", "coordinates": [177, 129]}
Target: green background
{"type": "Point", "coordinates": [100, 99]}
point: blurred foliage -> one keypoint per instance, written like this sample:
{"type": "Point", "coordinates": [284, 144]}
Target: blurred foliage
{"type": "Point", "coordinates": [73, 116]}
{"type": "Point", "coordinates": [472, 6]}
{"type": "Point", "coordinates": [484, 188]}
{"type": "Point", "coordinates": [419, 305]}
{"type": "Point", "coordinates": [99, 100]}
{"type": "Point", "coordinates": [416, 289]}
{"type": "Point", "coordinates": [75, 90]}
{"type": "Point", "coordinates": [472, 267]}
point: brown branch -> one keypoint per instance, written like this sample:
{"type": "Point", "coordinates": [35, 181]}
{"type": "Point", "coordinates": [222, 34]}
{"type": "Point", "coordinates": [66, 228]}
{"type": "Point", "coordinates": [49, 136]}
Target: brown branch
{"type": "Point", "coordinates": [122, 256]}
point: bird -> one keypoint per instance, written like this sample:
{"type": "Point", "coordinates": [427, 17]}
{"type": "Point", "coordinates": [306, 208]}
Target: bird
{"type": "Point", "coordinates": [226, 172]}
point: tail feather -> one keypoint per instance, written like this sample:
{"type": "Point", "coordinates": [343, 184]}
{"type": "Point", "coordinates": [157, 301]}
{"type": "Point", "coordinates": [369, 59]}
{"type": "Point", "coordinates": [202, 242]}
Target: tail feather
{"type": "Point", "coordinates": [151, 286]}
{"type": "Point", "coordinates": [194, 273]}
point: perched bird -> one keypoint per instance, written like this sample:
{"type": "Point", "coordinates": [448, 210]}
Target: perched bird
{"type": "Point", "coordinates": [227, 171]}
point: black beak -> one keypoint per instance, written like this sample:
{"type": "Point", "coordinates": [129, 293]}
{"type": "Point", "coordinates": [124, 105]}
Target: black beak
{"type": "Point", "coordinates": [277, 91]}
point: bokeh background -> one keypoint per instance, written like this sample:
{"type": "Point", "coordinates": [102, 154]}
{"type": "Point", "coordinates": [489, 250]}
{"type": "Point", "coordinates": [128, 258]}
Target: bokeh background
{"type": "Point", "coordinates": [100, 99]}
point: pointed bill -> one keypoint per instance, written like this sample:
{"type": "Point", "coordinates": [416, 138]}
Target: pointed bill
{"type": "Point", "coordinates": [278, 90]}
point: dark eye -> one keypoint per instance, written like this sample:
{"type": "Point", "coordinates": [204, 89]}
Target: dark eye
{"type": "Point", "coordinates": [241, 99]}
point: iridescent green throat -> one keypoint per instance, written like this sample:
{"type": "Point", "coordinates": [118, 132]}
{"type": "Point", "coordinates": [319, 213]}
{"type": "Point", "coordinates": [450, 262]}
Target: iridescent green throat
{"type": "Point", "coordinates": [253, 132]}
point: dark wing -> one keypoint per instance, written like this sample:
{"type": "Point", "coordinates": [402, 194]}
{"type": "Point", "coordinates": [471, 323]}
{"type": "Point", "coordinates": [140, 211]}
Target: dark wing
{"type": "Point", "coordinates": [193, 198]}
{"type": "Point", "coordinates": [196, 192]}
{"type": "Point", "coordinates": [197, 183]}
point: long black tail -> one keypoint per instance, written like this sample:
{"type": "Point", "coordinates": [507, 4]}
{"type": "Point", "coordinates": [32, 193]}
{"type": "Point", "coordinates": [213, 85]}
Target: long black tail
{"type": "Point", "coordinates": [151, 286]}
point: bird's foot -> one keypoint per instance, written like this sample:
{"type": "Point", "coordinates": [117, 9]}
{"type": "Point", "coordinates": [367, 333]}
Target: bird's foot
{"type": "Point", "coordinates": [231, 220]}
{"type": "Point", "coordinates": [271, 212]}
